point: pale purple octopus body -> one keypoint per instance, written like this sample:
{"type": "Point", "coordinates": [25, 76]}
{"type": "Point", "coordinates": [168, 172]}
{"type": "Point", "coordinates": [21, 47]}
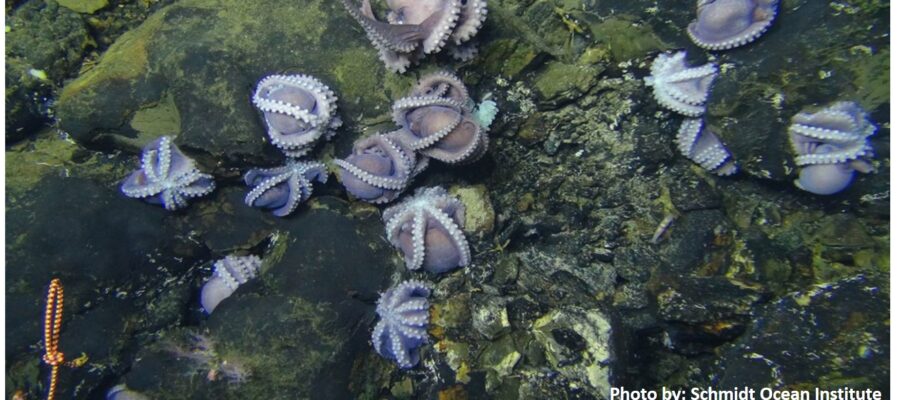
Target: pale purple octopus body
{"type": "Point", "coordinates": [703, 147]}
{"type": "Point", "coordinates": [726, 24]}
{"type": "Point", "coordinates": [379, 168]}
{"type": "Point", "coordinates": [298, 111]}
{"type": "Point", "coordinates": [831, 145]}
{"type": "Point", "coordinates": [678, 87]}
{"type": "Point", "coordinates": [437, 120]}
{"type": "Point", "coordinates": [229, 273]}
{"type": "Point", "coordinates": [282, 189]}
{"type": "Point", "coordinates": [426, 227]}
{"type": "Point", "coordinates": [167, 176]}
{"type": "Point", "coordinates": [402, 328]}
{"type": "Point", "coordinates": [418, 27]}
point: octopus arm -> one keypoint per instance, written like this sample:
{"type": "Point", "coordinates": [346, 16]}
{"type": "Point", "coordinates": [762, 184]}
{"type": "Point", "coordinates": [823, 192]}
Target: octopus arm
{"type": "Point", "coordinates": [403, 38]}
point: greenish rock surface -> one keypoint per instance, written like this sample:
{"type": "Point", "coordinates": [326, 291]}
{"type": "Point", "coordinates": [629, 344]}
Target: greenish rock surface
{"type": "Point", "coordinates": [205, 58]}
{"type": "Point", "coordinates": [84, 6]}
{"type": "Point", "coordinates": [44, 45]}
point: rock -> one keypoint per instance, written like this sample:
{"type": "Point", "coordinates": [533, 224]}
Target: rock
{"type": "Point", "coordinates": [830, 336]}
{"type": "Point", "coordinates": [208, 56]}
{"type": "Point", "coordinates": [576, 343]}
{"type": "Point", "coordinates": [479, 211]}
{"type": "Point", "coordinates": [489, 317]}
{"type": "Point", "coordinates": [118, 280]}
{"type": "Point", "coordinates": [560, 83]}
{"type": "Point", "coordinates": [84, 6]}
{"type": "Point", "coordinates": [695, 300]}
{"type": "Point", "coordinates": [44, 46]}
{"type": "Point", "coordinates": [298, 300]}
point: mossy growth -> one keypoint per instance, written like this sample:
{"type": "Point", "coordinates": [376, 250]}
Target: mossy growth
{"type": "Point", "coordinates": [83, 6]}
{"type": "Point", "coordinates": [625, 38]}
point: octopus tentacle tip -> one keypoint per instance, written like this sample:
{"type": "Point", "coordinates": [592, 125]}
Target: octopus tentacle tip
{"type": "Point", "coordinates": [167, 177]}
{"type": "Point", "coordinates": [831, 144]}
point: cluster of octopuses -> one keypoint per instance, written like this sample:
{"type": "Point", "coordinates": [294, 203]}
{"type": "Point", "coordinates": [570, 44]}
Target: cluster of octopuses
{"type": "Point", "coordinates": [830, 144]}
{"type": "Point", "coordinates": [438, 120]}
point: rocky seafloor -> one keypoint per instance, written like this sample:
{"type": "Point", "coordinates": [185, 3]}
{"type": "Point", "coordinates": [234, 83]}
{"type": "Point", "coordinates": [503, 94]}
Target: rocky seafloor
{"type": "Point", "coordinates": [754, 283]}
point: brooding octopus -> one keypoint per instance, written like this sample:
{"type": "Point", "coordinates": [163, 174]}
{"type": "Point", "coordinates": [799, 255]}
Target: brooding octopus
{"type": "Point", "coordinates": [418, 27]}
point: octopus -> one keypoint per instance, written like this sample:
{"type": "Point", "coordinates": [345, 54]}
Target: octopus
{"type": "Point", "coordinates": [830, 146]}
{"type": "Point", "coordinates": [283, 188]}
{"type": "Point", "coordinates": [678, 87]}
{"type": "Point", "coordinates": [426, 228]}
{"type": "Point", "coordinates": [703, 147]}
{"type": "Point", "coordinates": [167, 177]}
{"type": "Point", "coordinates": [229, 273]}
{"type": "Point", "coordinates": [298, 111]}
{"type": "Point", "coordinates": [379, 168]}
{"type": "Point", "coordinates": [726, 24]}
{"type": "Point", "coordinates": [438, 120]}
{"type": "Point", "coordinates": [414, 28]}
{"type": "Point", "coordinates": [403, 313]}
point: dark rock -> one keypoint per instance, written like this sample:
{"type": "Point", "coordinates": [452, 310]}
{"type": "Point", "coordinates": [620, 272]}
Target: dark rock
{"type": "Point", "coordinates": [830, 337]}
{"type": "Point", "coordinates": [695, 300]}
{"type": "Point", "coordinates": [110, 275]}
{"type": "Point", "coordinates": [691, 192]}
{"type": "Point", "coordinates": [44, 46]}
{"type": "Point", "coordinates": [691, 240]}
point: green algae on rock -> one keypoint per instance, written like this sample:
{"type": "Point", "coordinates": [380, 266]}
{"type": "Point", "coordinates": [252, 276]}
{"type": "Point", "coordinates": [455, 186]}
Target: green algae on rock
{"type": "Point", "coordinates": [84, 6]}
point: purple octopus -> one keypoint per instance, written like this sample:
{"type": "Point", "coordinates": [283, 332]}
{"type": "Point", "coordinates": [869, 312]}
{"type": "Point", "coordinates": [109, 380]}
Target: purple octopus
{"type": "Point", "coordinates": [229, 273]}
{"type": "Point", "coordinates": [403, 310]}
{"type": "Point", "coordinates": [418, 27]}
{"type": "Point", "coordinates": [726, 24]}
{"type": "Point", "coordinates": [283, 188]}
{"type": "Point", "coordinates": [166, 177]}
{"type": "Point", "coordinates": [436, 120]}
{"type": "Point", "coordinates": [678, 87]}
{"type": "Point", "coordinates": [426, 227]}
{"type": "Point", "coordinates": [831, 145]}
{"type": "Point", "coordinates": [704, 148]}
{"type": "Point", "coordinates": [379, 168]}
{"type": "Point", "coordinates": [298, 110]}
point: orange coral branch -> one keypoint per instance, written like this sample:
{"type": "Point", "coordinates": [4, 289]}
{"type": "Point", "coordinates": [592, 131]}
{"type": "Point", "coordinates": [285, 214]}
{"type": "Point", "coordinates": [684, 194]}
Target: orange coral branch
{"type": "Point", "coordinates": [52, 324]}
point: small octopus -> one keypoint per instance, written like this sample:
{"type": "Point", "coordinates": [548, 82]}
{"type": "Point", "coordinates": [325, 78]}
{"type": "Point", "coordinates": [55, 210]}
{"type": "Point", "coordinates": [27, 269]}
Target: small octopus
{"type": "Point", "coordinates": [831, 144]}
{"type": "Point", "coordinates": [403, 310]}
{"type": "Point", "coordinates": [704, 148]}
{"type": "Point", "coordinates": [678, 87]}
{"type": "Point", "coordinates": [418, 27]}
{"type": "Point", "coordinates": [229, 273]}
{"type": "Point", "coordinates": [298, 110]}
{"type": "Point", "coordinates": [283, 188]}
{"type": "Point", "coordinates": [726, 24]}
{"type": "Point", "coordinates": [167, 177]}
{"type": "Point", "coordinates": [426, 227]}
{"type": "Point", "coordinates": [379, 168]}
{"type": "Point", "coordinates": [438, 120]}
